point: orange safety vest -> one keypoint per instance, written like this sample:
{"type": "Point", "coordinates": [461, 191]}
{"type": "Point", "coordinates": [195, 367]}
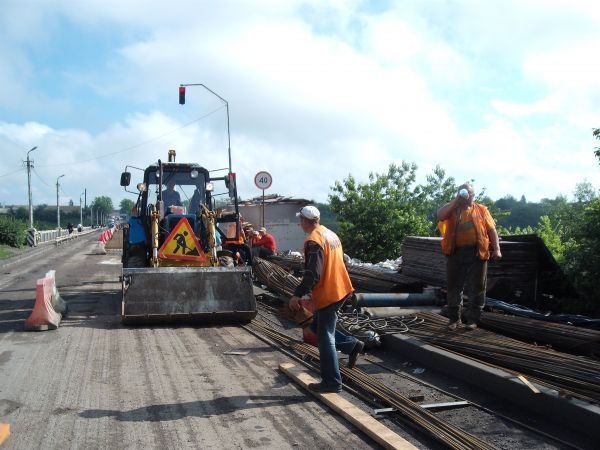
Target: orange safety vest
{"type": "Point", "coordinates": [448, 231]}
{"type": "Point", "coordinates": [334, 284]}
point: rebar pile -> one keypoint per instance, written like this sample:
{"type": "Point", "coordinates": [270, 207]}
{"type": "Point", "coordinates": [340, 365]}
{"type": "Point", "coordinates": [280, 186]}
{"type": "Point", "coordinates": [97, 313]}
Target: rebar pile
{"type": "Point", "coordinates": [368, 279]}
{"type": "Point", "coordinates": [291, 262]}
{"type": "Point", "coordinates": [364, 278]}
{"type": "Point", "coordinates": [275, 277]}
{"type": "Point", "coordinates": [568, 338]}
{"type": "Point", "coordinates": [577, 376]}
{"type": "Point", "coordinates": [525, 271]}
{"type": "Point", "coordinates": [444, 432]}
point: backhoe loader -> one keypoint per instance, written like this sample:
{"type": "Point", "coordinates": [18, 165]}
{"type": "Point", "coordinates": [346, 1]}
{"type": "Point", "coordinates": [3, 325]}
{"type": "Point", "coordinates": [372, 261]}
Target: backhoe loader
{"type": "Point", "coordinates": [174, 265]}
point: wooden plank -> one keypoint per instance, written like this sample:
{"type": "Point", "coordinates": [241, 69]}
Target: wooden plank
{"type": "Point", "coordinates": [366, 423]}
{"type": "Point", "coordinates": [528, 384]}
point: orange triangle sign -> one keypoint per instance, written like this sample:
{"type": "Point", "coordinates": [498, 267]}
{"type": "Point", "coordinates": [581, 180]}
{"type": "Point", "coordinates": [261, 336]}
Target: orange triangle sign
{"type": "Point", "coordinates": [182, 244]}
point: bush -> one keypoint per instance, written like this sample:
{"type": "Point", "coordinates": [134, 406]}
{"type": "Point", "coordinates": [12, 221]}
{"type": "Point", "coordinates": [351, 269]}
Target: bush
{"type": "Point", "coordinates": [13, 232]}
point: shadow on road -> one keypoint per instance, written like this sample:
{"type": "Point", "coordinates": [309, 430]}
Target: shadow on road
{"type": "Point", "coordinates": [201, 408]}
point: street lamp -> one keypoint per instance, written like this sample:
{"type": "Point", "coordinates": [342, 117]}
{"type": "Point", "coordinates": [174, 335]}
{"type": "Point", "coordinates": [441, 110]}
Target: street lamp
{"type": "Point", "coordinates": [182, 101]}
{"type": "Point", "coordinates": [29, 166]}
{"type": "Point", "coordinates": [57, 206]}
{"type": "Point", "coordinates": [80, 210]}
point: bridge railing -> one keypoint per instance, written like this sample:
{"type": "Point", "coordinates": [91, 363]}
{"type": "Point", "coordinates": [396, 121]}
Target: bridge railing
{"type": "Point", "coordinates": [56, 237]}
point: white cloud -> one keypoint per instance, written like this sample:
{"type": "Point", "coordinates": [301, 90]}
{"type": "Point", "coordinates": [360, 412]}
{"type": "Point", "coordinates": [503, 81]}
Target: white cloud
{"type": "Point", "coordinates": [505, 94]}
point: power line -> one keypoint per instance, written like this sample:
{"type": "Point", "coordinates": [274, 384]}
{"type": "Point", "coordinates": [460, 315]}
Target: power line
{"type": "Point", "coordinates": [137, 145]}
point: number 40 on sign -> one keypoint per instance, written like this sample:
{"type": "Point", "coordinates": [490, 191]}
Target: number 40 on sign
{"type": "Point", "coordinates": [263, 180]}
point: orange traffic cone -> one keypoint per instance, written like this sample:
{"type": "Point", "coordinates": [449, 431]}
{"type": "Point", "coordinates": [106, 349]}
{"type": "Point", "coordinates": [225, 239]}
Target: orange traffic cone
{"type": "Point", "coordinates": [43, 317]}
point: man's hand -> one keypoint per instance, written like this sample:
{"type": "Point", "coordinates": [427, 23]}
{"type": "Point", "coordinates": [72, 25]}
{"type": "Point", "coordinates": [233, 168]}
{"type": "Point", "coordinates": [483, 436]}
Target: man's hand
{"type": "Point", "coordinates": [496, 254]}
{"type": "Point", "coordinates": [294, 304]}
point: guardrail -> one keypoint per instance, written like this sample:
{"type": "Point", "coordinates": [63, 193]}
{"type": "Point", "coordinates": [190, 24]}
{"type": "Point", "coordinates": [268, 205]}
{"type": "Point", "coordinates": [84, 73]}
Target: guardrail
{"type": "Point", "coordinates": [56, 237]}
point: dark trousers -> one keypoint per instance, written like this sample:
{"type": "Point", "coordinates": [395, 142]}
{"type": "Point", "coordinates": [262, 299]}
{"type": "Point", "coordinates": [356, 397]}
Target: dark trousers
{"type": "Point", "coordinates": [464, 269]}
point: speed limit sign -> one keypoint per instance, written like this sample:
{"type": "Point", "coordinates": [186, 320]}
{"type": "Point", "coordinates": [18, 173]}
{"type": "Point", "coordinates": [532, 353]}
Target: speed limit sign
{"type": "Point", "coordinates": [263, 180]}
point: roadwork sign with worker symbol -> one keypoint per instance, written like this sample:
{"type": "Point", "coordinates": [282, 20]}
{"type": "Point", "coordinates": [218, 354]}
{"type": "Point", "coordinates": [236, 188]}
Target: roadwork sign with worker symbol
{"type": "Point", "coordinates": [182, 244]}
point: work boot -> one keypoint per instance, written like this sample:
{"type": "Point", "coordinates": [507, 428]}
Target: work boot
{"type": "Point", "coordinates": [453, 325]}
{"type": "Point", "coordinates": [321, 388]}
{"type": "Point", "coordinates": [353, 356]}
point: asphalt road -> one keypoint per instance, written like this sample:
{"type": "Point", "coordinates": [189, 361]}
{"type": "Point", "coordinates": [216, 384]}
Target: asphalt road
{"type": "Point", "coordinates": [93, 383]}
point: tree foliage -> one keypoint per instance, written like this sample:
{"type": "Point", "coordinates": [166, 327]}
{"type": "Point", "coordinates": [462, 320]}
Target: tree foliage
{"type": "Point", "coordinates": [596, 133]}
{"type": "Point", "coordinates": [13, 232]}
{"type": "Point", "coordinates": [375, 217]}
{"type": "Point", "coordinates": [126, 206]}
{"type": "Point", "coordinates": [103, 205]}
{"type": "Point", "coordinates": [582, 257]}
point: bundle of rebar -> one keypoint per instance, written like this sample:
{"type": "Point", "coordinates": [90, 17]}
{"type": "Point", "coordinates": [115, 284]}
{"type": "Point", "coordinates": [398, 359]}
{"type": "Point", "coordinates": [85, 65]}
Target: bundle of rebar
{"type": "Point", "coordinates": [444, 432]}
{"type": "Point", "coordinates": [576, 376]}
{"type": "Point", "coordinates": [277, 278]}
{"type": "Point", "coordinates": [568, 338]}
{"type": "Point", "coordinates": [526, 270]}
{"type": "Point", "coordinates": [364, 278]}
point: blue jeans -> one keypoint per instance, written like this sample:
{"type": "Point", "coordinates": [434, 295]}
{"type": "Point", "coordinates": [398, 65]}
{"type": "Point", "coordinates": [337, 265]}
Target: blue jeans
{"type": "Point", "coordinates": [329, 340]}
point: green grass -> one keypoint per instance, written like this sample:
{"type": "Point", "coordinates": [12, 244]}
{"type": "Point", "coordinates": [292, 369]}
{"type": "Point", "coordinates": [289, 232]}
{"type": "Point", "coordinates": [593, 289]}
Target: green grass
{"type": "Point", "coordinates": [7, 251]}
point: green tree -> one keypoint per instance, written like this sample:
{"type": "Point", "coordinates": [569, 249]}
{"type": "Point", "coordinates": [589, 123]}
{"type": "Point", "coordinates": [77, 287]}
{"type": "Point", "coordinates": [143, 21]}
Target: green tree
{"type": "Point", "coordinates": [435, 193]}
{"type": "Point", "coordinates": [582, 257]}
{"type": "Point", "coordinates": [103, 205]}
{"type": "Point", "coordinates": [375, 217]}
{"type": "Point", "coordinates": [596, 134]}
{"type": "Point", "coordinates": [126, 206]}
{"type": "Point", "coordinates": [585, 192]}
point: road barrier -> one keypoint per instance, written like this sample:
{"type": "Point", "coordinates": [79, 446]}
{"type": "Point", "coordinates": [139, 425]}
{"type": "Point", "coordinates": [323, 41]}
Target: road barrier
{"type": "Point", "coordinates": [49, 307]}
{"type": "Point", "coordinates": [106, 235]}
{"type": "Point", "coordinates": [36, 237]}
{"type": "Point", "coordinates": [103, 239]}
{"type": "Point", "coordinates": [4, 432]}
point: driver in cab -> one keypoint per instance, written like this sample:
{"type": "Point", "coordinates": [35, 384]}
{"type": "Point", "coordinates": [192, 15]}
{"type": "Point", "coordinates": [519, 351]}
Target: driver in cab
{"type": "Point", "coordinates": [170, 196]}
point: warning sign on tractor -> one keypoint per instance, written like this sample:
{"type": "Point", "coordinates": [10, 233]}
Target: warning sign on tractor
{"type": "Point", "coordinates": [182, 244]}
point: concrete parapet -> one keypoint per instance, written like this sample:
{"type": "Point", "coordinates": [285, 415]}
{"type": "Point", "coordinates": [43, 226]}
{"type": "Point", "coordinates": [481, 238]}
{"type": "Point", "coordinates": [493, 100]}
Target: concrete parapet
{"type": "Point", "coordinates": [569, 412]}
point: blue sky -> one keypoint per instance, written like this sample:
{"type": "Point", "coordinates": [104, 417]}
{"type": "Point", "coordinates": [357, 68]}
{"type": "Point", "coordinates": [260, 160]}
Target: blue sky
{"type": "Point", "coordinates": [505, 93]}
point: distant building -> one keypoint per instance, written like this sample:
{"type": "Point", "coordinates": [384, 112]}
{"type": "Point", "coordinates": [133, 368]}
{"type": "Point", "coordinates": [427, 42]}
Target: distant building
{"type": "Point", "coordinates": [279, 219]}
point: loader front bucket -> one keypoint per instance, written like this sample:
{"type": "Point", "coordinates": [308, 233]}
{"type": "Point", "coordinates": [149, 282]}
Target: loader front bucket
{"type": "Point", "coordinates": [187, 294]}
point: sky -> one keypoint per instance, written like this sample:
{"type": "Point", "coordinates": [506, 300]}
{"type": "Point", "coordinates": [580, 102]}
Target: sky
{"type": "Point", "coordinates": [502, 93]}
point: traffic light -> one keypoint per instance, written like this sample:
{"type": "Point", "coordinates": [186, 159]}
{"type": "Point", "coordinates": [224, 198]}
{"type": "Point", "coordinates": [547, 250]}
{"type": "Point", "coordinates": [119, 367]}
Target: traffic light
{"type": "Point", "coordinates": [182, 95]}
{"type": "Point", "coordinates": [230, 184]}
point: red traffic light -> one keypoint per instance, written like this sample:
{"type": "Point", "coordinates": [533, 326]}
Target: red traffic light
{"type": "Point", "coordinates": [182, 95]}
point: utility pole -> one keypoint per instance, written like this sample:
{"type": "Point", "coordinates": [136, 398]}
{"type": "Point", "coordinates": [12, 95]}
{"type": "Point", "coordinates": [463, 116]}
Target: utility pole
{"type": "Point", "coordinates": [29, 167]}
{"type": "Point", "coordinates": [80, 210]}
{"type": "Point", "coordinates": [57, 205]}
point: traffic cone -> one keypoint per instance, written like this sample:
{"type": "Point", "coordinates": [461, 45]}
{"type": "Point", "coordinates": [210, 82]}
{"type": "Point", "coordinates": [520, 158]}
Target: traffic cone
{"type": "Point", "coordinates": [4, 432]}
{"type": "Point", "coordinates": [43, 317]}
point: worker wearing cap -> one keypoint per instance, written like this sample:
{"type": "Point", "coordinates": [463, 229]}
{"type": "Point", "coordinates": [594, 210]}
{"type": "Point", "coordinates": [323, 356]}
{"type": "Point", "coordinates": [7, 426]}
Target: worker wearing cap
{"type": "Point", "coordinates": [265, 245]}
{"type": "Point", "coordinates": [327, 280]}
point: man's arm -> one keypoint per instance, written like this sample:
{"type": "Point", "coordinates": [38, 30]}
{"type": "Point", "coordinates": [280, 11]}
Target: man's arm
{"type": "Point", "coordinates": [495, 240]}
{"type": "Point", "coordinates": [446, 211]}
{"type": "Point", "coordinates": [312, 273]}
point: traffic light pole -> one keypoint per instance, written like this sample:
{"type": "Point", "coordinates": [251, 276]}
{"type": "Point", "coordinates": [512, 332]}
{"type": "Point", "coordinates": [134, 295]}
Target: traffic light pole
{"type": "Point", "coordinates": [182, 101]}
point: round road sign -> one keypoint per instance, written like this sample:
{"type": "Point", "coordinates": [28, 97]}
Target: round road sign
{"type": "Point", "coordinates": [263, 180]}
